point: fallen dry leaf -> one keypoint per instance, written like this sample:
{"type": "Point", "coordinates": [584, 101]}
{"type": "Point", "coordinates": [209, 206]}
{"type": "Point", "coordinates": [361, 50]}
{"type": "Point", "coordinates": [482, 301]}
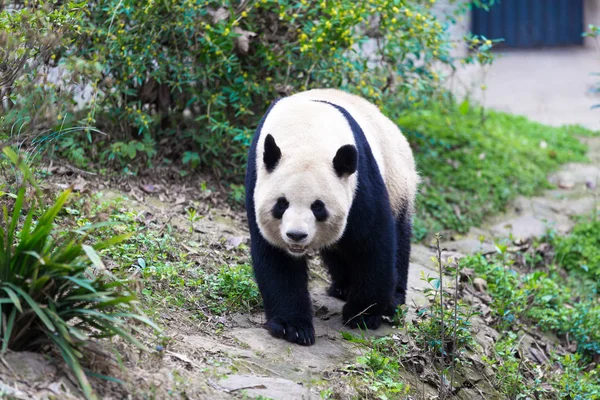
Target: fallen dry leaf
{"type": "Point", "coordinates": [233, 242]}
{"type": "Point", "coordinates": [242, 42]}
{"type": "Point", "coordinates": [219, 15]}
{"type": "Point", "coordinates": [480, 284]}
{"type": "Point", "coordinates": [149, 188]}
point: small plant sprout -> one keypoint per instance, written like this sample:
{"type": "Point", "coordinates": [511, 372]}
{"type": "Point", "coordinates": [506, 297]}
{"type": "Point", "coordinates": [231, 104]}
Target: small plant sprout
{"type": "Point", "coordinates": [192, 215]}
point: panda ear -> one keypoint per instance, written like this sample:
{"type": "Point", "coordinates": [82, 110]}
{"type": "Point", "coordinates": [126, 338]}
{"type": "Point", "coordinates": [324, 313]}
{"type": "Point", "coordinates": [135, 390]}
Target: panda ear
{"type": "Point", "coordinates": [345, 161]}
{"type": "Point", "coordinates": [272, 153]}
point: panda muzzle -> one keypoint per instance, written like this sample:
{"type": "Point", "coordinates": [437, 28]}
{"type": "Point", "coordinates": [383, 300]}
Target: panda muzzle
{"type": "Point", "coordinates": [296, 248]}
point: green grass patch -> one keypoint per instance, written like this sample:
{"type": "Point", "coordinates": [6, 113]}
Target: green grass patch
{"type": "Point", "coordinates": [471, 168]}
{"type": "Point", "coordinates": [541, 298]}
{"type": "Point", "coordinates": [564, 377]}
{"type": "Point", "coordinates": [579, 252]}
{"type": "Point", "coordinates": [560, 296]}
{"type": "Point", "coordinates": [170, 274]}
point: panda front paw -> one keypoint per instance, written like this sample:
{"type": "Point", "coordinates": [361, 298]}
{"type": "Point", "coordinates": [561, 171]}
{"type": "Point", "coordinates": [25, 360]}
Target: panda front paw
{"type": "Point", "coordinates": [358, 318]}
{"type": "Point", "coordinates": [338, 292]}
{"type": "Point", "coordinates": [301, 333]}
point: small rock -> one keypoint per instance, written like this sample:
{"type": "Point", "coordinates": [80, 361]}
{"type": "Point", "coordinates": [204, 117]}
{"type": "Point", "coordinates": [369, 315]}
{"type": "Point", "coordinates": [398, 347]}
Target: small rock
{"type": "Point", "coordinates": [567, 185]}
{"type": "Point", "coordinates": [480, 284]}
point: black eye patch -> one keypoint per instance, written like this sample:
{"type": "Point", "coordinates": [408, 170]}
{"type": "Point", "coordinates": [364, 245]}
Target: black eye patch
{"type": "Point", "coordinates": [280, 207]}
{"type": "Point", "coordinates": [319, 210]}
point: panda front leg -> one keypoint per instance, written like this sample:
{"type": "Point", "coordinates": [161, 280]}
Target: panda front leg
{"type": "Point", "coordinates": [338, 270]}
{"type": "Point", "coordinates": [283, 283]}
{"type": "Point", "coordinates": [372, 288]}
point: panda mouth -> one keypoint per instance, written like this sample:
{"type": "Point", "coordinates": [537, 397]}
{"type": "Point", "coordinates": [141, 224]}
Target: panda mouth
{"type": "Point", "coordinates": [297, 248]}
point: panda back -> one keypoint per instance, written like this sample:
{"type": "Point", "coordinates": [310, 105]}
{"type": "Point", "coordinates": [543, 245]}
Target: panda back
{"type": "Point", "coordinates": [390, 148]}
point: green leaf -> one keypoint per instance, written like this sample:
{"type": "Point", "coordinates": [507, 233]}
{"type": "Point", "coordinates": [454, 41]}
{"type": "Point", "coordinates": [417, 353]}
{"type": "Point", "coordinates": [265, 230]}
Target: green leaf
{"type": "Point", "coordinates": [81, 282]}
{"type": "Point", "coordinates": [93, 256]}
{"type": "Point", "coordinates": [34, 306]}
{"type": "Point", "coordinates": [112, 241]}
{"type": "Point", "coordinates": [464, 107]}
{"type": "Point", "coordinates": [14, 298]}
{"type": "Point", "coordinates": [69, 356]}
{"type": "Point", "coordinates": [16, 160]}
{"type": "Point", "coordinates": [8, 329]}
{"type": "Point", "coordinates": [547, 298]}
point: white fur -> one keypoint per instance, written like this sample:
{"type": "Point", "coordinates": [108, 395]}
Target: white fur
{"type": "Point", "coordinates": [309, 134]}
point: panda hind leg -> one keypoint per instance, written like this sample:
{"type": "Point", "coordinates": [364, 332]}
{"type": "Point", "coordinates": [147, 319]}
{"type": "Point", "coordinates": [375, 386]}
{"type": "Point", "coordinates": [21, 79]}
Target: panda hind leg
{"type": "Point", "coordinates": [403, 236]}
{"type": "Point", "coordinates": [339, 274]}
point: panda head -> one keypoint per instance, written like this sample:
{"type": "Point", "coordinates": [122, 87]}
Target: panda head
{"type": "Point", "coordinates": [305, 185]}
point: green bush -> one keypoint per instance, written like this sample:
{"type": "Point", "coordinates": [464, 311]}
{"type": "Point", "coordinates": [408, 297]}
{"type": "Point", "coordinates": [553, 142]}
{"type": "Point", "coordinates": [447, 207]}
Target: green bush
{"type": "Point", "coordinates": [579, 252]}
{"type": "Point", "coordinates": [31, 38]}
{"type": "Point", "coordinates": [191, 78]}
{"type": "Point", "coordinates": [54, 288]}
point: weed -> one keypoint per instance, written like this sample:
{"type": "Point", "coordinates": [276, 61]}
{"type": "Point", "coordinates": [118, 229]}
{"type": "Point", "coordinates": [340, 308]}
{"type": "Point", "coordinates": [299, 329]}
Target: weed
{"type": "Point", "coordinates": [381, 375]}
{"type": "Point", "coordinates": [540, 297]}
{"type": "Point", "coordinates": [579, 252]}
{"type": "Point", "coordinates": [511, 369]}
{"type": "Point", "coordinates": [575, 380]}
{"type": "Point", "coordinates": [193, 216]}
{"type": "Point", "coordinates": [557, 295]}
{"type": "Point", "coordinates": [232, 289]}
{"type": "Point", "coordinates": [55, 287]}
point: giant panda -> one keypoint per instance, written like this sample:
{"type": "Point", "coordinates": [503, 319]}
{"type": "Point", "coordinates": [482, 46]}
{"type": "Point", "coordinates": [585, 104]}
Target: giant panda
{"type": "Point", "coordinates": [328, 172]}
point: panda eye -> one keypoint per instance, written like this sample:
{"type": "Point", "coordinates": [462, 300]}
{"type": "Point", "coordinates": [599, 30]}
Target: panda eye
{"type": "Point", "coordinates": [318, 209]}
{"type": "Point", "coordinates": [317, 206]}
{"type": "Point", "coordinates": [280, 207]}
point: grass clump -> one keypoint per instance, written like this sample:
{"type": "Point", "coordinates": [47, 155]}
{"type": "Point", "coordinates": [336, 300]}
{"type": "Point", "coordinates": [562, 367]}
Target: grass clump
{"type": "Point", "coordinates": [554, 294]}
{"type": "Point", "coordinates": [508, 363]}
{"type": "Point", "coordinates": [541, 298]}
{"type": "Point", "coordinates": [580, 251]}
{"type": "Point", "coordinates": [566, 376]}
{"type": "Point", "coordinates": [232, 289]}
{"type": "Point", "coordinates": [455, 152]}
{"type": "Point", "coordinates": [377, 372]}
{"type": "Point", "coordinates": [54, 288]}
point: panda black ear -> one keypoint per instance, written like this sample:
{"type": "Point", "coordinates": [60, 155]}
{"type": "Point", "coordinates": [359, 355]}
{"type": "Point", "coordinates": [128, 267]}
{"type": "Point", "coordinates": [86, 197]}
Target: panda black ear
{"type": "Point", "coordinates": [272, 153]}
{"type": "Point", "coordinates": [345, 161]}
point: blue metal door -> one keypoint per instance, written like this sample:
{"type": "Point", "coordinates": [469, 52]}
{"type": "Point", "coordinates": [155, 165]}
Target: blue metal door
{"type": "Point", "coordinates": [531, 23]}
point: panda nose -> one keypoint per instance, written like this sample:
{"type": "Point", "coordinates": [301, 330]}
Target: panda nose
{"type": "Point", "coordinates": [296, 236]}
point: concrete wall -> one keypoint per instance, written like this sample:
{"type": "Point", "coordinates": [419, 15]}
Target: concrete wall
{"type": "Point", "coordinates": [591, 16]}
{"type": "Point", "coordinates": [441, 9]}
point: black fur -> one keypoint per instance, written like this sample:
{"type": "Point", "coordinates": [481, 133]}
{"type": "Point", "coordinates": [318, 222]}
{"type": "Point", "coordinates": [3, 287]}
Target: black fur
{"type": "Point", "coordinates": [280, 207]}
{"type": "Point", "coordinates": [345, 161]}
{"type": "Point", "coordinates": [319, 210]}
{"type": "Point", "coordinates": [272, 153]}
{"type": "Point", "coordinates": [368, 266]}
